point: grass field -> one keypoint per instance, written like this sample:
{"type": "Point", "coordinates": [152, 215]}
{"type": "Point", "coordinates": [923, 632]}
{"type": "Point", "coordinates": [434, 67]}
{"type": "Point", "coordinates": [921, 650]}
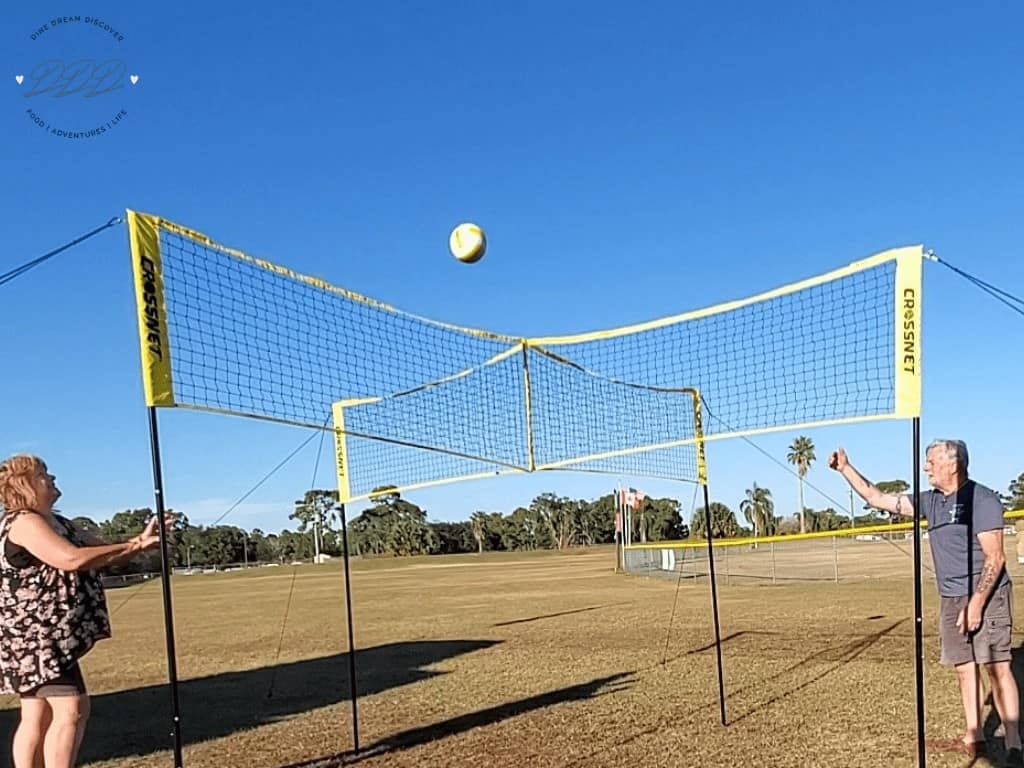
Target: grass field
{"type": "Point", "coordinates": [537, 659]}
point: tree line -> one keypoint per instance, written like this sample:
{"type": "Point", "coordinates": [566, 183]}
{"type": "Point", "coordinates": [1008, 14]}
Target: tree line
{"type": "Point", "coordinates": [393, 526]}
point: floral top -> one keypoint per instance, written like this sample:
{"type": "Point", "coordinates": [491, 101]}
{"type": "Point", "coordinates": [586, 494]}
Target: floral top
{"type": "Point", "coordinates": [49, 618]}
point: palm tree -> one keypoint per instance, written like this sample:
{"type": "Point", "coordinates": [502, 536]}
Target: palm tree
{"type": "Point", "coordinates": [723, 522]}
{"type": "Point", "coordinates": [801, 454]}
{"type": "Point", "coordinates": [759, 509]}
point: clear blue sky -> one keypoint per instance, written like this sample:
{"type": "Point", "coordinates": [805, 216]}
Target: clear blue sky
{"type": "Point", "coordinates": [628, 161]}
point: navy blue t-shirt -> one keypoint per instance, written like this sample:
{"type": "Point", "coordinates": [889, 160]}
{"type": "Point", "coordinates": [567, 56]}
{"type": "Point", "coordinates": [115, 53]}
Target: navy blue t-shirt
{"type": "Point", "coordinates": [953, 521]}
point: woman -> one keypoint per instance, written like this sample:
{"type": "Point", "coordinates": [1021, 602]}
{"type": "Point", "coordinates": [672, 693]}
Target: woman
{"type": "Point", "coordinates": [52, 611]}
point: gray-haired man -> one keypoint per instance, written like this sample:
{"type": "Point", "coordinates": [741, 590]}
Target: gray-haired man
{"type": "Point", "coordinates": [965, 534]}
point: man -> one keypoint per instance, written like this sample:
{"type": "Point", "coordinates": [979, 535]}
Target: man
{"type": "Point", "coordinates": [965, 534]}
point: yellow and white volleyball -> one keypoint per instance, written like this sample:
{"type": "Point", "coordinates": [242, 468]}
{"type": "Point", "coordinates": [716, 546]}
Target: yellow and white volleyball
{"type": "Point", "coordinates": [467, 243]}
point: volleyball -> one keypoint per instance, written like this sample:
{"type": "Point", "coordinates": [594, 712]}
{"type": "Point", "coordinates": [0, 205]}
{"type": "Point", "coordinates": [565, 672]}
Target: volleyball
{"type": "Point", "coordinates": [467, 243]}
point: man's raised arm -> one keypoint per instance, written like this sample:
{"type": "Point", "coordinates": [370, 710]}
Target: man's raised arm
{"type": "Point", "coordinates": [895, 503]}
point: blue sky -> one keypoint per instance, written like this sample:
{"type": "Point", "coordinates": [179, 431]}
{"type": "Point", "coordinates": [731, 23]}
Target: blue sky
{"type": "Point", "coordinates": [627, 162]}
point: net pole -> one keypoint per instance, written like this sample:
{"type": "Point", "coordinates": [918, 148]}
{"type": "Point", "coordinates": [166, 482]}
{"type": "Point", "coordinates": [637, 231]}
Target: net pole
{"type": "Point", "coordinates": [165, 579]}
{"type": "Point", "coordinates": [351, 634]}
{"type": "Point", "coordinates": [714, 602]}
{"type": "Point", "coordinates": [918, 622]}
{"type": "Point", "coordinates": [835, 557]}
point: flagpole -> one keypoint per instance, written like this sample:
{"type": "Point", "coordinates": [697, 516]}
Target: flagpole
{"type": "Point", "coordinates": [620, 553]}
{"type": "Point", "coordinates": [626, 514]}
{"type": "Point", "coordinates": [629, 517]}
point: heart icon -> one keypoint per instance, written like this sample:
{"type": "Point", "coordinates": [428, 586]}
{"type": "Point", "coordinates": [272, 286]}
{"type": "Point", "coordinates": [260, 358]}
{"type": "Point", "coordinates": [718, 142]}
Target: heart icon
{"type": "Point", "coordinates": [19, 78]}
{"type": "Point", "coordinates": [134, 79]}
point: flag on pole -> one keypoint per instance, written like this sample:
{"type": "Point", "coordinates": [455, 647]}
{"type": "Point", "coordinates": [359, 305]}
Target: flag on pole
{"type": "Point", "coordinates": [631, 498]}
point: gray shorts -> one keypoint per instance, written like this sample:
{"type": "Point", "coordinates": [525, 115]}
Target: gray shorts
{"type": "Point", "coordinates": [990, 643]}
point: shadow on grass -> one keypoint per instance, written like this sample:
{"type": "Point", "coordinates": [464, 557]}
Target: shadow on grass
{"type": "Point", "coordinates": [138, 722]}
{"type": "Point", "coordinates": [732, 636]}
{"type": "Point", "coordinates": [415, 737]}
{"type": "Point", "coordinates": [554, 615]}
{"type": "Point", "coordinates": [841, 655]}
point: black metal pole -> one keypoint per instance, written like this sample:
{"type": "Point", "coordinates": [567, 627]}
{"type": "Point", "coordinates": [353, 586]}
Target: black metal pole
{"type": "Point", "coordinates": [165, 578]}
{"type": "Point", "coordinates": [714, 602]}
{"type": "Point", "coordinates": [918, 620]}
{"type": "Point", "coordinates": [351, 635]}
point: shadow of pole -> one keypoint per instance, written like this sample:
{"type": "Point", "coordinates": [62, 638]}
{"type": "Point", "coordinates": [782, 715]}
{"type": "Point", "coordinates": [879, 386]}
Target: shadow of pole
{"type": "Point", "coordinates": [554, 615]}
{"type": "Point", "coordinates": [847, 654]}
{"type": "Point", "coordinates": [136, 722]}
{"type": "Point", "coordinates": [415, 737]}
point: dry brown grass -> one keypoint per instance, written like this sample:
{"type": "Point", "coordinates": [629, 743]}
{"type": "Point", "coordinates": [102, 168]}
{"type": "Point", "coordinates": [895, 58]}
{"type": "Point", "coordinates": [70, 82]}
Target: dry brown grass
{"type": "Point", "coordinates": [520, 660]}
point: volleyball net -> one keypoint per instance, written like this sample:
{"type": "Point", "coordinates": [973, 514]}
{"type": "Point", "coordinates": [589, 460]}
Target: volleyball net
{"type": "Point", "coordinates": [415, 402]}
